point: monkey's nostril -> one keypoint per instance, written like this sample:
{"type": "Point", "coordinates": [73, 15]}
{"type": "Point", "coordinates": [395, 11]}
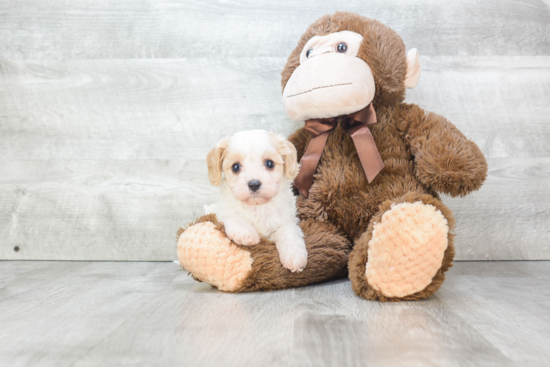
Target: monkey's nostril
{"type": "Point", "coordinates": [254, 185]}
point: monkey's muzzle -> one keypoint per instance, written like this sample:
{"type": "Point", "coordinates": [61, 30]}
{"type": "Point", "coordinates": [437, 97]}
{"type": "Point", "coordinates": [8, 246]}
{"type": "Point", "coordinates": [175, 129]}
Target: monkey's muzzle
{"type": "Point", "coordinates": [328, 85]}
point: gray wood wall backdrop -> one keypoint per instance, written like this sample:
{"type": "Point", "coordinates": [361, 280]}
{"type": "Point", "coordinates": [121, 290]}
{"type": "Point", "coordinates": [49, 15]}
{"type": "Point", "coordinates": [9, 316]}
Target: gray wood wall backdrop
{"type": "Point", "coordinates": [108, 108]}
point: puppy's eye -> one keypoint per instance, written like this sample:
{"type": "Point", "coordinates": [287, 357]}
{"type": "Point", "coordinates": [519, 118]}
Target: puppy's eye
{"type": "Point", "coordinates": [342, 47]}
{"type": "Point", "coordinates": [236, 167]}
{"type": "Point", "coordinates": [309, 52]}
{"type": "Point", "coordinates": [269, 164]}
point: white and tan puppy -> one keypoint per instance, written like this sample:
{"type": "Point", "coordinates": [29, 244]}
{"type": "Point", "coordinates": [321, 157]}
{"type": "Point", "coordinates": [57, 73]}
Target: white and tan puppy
{"type": "Point", "coordinates": [254, 170]}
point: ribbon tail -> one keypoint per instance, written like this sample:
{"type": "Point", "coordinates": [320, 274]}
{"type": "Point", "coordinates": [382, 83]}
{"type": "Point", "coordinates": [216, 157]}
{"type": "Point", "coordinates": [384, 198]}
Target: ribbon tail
{"type": "Point", "coordinates": [308, 163]}
{"type": "Point", "coordinates": [368, 152]}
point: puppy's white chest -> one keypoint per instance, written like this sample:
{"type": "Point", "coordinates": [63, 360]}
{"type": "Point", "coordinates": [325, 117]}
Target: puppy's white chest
{"type": "Point", "coordinates": [265, 218]}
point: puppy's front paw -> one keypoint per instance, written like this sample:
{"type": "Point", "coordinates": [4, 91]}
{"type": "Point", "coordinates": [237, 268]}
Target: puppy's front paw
{"type": "Point", "coordinates": [293, 256]}
{"type": "Point", "coordinates": [243, 236]}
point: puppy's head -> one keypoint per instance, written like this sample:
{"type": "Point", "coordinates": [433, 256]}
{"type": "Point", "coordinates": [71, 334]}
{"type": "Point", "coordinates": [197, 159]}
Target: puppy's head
{"type": "Point", "coordinates": [254, 163]}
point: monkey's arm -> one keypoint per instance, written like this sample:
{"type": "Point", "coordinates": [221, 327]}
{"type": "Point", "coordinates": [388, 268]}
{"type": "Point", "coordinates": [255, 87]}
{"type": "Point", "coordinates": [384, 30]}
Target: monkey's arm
{"type": "Point", "coordinates": [444, 158]}
{"type": "Point", "coordinates": [300, 139]}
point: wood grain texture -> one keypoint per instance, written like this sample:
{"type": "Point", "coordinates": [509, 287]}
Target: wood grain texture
{"type": "Point", "coordinates": [509, 218]}
{"type": "Point", "coordinates": [108, 109]}
{"type": "Point", "coordinates": [65, 29]}
{"type": "Point", "coordinates": [142, 314]}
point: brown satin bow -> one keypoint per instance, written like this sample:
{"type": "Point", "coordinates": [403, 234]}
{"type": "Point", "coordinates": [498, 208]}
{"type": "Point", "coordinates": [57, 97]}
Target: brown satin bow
{"type": "Point", "coordinates": [355, 124]}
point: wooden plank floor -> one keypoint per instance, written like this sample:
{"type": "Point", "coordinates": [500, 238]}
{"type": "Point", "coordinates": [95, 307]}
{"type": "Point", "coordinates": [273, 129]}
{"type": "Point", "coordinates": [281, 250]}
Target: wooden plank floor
{"type": "Point", "coordinates": [153, 313]}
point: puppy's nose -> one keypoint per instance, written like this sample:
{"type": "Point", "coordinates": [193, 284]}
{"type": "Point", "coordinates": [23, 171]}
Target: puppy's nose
{"type": "Point", "coordinates": [254, 185]}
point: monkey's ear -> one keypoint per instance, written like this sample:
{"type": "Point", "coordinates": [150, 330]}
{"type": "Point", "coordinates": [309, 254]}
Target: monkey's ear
{"type": "Point", "coordinates": [214, 160]}
{"type": "Point", "coordinates": [288, 151]}
{"type": "Point", "coordinates": [413, 68]}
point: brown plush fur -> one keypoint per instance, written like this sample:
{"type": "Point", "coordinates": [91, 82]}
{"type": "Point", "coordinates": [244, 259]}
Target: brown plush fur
{"type": "Point", "coordinates": [328, 254]}
{"type": "Point", "coordinates": [423, 154]}
{"type": "Point", "coordinates": [427, 161]}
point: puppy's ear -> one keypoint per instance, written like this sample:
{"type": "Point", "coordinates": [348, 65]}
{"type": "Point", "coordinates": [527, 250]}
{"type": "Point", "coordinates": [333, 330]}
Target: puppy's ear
{"type": "Point", "coordinates": [288, 151]}
{"type": "Point", "coordinates": [214, 159]}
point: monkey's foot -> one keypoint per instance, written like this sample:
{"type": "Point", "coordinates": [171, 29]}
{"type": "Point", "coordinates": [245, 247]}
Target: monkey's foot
{"type": "Point", "coordinates": [405, 252]}
{"type": "Point", "coordinates": [205, 251]}
{"type": "Point", "coordinates": [406, 249]}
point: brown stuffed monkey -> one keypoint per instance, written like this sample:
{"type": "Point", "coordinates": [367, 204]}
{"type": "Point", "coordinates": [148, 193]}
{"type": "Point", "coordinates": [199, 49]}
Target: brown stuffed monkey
{"type": "Point", "coordinates": [371, 170]}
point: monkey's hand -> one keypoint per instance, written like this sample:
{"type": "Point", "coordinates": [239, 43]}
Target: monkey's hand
{"type": "Point", "coordinates": [444, 159]}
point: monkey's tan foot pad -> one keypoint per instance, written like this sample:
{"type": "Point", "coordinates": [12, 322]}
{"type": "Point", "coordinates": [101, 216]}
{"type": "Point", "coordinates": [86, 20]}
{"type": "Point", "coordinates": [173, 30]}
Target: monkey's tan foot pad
{"type": "Point", "coordinates": [406, 249]}
{"type": "Point", "coordinates": [206, 252]}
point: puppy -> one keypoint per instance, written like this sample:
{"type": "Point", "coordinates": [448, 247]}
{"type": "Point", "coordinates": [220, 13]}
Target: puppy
{"type": "Point", "coordinates": [256, 193]}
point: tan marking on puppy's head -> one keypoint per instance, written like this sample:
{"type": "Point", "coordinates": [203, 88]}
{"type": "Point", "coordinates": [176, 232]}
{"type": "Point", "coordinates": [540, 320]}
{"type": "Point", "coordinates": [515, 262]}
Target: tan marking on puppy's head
{"type": "Point", "coordinates": [289, 154]}
{"type": "Point", "coordinates": [214, 160]}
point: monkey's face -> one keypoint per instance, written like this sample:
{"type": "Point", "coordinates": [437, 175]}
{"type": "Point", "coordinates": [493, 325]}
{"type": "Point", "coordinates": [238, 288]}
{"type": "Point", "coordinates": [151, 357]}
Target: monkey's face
{"type": "Point", "coordinates": [360, 62]}
{"type": "Point", "coordinates": [331, 79]}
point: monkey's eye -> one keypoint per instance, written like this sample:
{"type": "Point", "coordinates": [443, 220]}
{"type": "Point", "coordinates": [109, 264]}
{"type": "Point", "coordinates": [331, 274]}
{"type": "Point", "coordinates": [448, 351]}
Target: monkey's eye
{"type": "Point", "coordinates": [236, 167]}
{"type": "Point", "coordinates": [342, 47]}
{"type": "Point", "coordinates": [309, 52]}
{"type": "Point", "coordinates": [269, 164]}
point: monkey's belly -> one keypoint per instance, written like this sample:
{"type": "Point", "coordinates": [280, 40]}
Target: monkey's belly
{"type": "Point", "coordinates": [349, 200]}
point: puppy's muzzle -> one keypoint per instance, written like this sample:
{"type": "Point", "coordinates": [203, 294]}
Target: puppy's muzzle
{"type": "Point", "coordinates": [254, 185]}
